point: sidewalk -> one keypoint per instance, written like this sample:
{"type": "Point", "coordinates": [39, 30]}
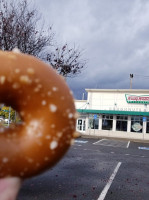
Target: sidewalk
{"type": "Point", "coordinates": [115, 138]}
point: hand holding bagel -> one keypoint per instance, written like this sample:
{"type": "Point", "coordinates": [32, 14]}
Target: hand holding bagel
{"type": "Point", "coordinates": [46, 107]}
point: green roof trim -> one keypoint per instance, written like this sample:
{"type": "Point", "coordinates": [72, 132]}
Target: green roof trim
{"type": "Point", "coordinates": [115, 112]}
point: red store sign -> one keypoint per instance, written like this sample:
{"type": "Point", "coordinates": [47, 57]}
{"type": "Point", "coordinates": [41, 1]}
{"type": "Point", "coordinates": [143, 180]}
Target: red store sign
{"type": "Point", "coordinates": [144, 99]}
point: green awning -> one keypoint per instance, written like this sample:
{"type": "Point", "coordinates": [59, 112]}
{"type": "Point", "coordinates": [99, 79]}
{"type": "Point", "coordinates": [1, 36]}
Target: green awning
{"type": "Point", "coordinates": [114, 112]}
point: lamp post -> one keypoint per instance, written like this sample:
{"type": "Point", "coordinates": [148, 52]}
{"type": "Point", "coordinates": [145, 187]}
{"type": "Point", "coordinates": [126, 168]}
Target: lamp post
{"type": "Point", "coordinates": [9, 116]}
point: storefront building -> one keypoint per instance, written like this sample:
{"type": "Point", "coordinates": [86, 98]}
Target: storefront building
{"type": "Point", "coordinates": [120, 113]}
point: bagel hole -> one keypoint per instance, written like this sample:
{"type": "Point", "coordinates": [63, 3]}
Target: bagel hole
{"type": "Point", "coordinates": [9, 117]}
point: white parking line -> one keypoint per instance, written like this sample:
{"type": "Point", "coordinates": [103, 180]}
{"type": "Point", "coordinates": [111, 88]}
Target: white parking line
{"type": "Point", "coordinates": [128, 144]}
{"type": "Point", "coordinates": [143, 148]}
{"type": "Point", "coordinates": [99, 141]}
{"type": "Point", "coordinates": [81, 141]}
{"type": "Point", "coordinates": [106, 188]}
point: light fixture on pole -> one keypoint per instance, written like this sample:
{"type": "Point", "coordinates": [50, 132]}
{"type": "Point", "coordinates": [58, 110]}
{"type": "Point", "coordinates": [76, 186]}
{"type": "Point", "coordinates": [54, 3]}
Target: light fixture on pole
{"type": "Point", "coordinates": [131, 77]}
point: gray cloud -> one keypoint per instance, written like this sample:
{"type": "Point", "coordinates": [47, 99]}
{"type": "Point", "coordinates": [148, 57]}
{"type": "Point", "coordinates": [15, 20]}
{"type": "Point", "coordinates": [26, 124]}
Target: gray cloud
{"type": "Point", "coordinates": [114, 35]}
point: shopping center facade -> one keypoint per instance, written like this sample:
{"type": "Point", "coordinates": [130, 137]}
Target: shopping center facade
{"type": "Point", "coordinates": [120, 113]}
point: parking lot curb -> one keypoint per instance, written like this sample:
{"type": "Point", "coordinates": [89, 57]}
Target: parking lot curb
{"type": "Point", "coordinates": [115, 138]}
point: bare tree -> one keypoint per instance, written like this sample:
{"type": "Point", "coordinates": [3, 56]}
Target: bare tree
{"type": "Point", "coordinates": [20, 26]}
{"type": "Point", "coordinates": [67, 61]}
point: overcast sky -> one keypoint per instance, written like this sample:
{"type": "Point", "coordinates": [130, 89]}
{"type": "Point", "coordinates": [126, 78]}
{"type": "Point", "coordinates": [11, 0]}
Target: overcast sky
{"type": "Point", "coordinates": [114, 35]}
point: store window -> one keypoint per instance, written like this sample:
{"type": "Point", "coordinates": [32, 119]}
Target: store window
{"type": "Point", "coordinates": [93, 121]}
{"type": "Point", "coordinates": [136, 124]}
{"type": "Point", "coordinates": [107, 122]}
{"type": "Point", "coordinates": [147, 124]}
{"type": "Point", "coordinates": [121, 122]}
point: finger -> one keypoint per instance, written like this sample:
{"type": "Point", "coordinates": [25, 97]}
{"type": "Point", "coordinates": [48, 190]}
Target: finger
{"type": "Point", "coordinates": [9, 188]}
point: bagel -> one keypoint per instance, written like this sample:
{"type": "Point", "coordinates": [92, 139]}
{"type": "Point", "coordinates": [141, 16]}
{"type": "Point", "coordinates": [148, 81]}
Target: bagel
{"type": "Point", "coordinates": [46, 107]}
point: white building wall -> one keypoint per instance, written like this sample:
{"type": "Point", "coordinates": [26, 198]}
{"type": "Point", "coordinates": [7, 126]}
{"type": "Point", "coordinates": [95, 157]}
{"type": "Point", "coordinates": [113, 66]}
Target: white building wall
{"type": "Point", "coordinates": [80, 104]}
{"type": "Point", "coordinates": [114, 100]}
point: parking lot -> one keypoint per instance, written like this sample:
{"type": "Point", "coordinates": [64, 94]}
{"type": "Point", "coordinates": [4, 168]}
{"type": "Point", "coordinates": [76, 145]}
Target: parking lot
{"type": "Point", "coordinates": [95, 169]}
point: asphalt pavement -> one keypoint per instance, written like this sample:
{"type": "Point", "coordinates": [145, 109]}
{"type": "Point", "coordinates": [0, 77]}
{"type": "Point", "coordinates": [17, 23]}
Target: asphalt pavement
{"type": "Point", "coordinates": [94, 169]}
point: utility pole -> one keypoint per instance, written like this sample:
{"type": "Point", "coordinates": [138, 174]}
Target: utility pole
{"type": "Point", "coordinates": [83, 96]}
{"type": "Point", "coordinates": [131, 77]}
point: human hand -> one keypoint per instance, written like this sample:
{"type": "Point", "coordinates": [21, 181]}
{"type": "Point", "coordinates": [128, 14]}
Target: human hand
{"type": "Point", "coordinates": [9, 188]}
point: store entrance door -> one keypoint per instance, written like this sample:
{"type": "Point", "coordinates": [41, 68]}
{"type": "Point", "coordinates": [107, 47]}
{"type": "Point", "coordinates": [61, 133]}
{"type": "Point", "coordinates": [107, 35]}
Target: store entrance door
{"type": "Point", "coordinates": [81, 125]}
